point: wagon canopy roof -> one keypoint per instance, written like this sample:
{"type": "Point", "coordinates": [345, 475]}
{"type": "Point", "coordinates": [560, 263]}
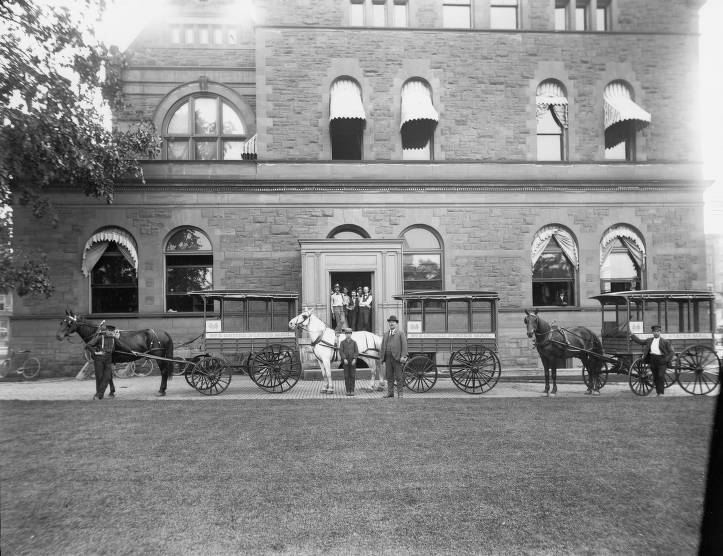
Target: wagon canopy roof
{"type": "Point", "coordinates": [245, 294]}
{"type": "Point", "coordinates": [621, 298]}
{"type": "Point", "coordinates": [462, 294]}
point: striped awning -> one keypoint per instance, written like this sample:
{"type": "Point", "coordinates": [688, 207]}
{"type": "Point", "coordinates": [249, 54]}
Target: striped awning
{"type": "Point", "coordinates": [417, 103]}
{"type": "Point", "coordinates": [126, 245]}
{"type": "Point", "coordinates": [248, 150]}
{"type": "Point", "coordinates": [550, 94]}
{"type": "Point", "coordinates": [564, 240]}
{"type": "Point", "coordinates": [629, 238]}
{"type": "Point", "coordinates": [345, 100]}
{"type": "Point", "coordinates": [619, 107]}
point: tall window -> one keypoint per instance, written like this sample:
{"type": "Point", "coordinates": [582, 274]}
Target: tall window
{"type": "Point", "coordinates": [551, 120]}
{"type": "Point", "coordinates": [356, 13]}
{"type": "Point", "coordinates": [623, 118]}
{"type": "Point", "coordinates": [346, 120]}
{"type": "Point", "coordinates": [561, 7]}
{"type": "Point", "coordinates": [204, 127]}
{"type": "Point", "coordinates": [110, 259]}
{"type": "Point", "coordinates": [189, 267]}
{"type": "Point", "coordinates": [503, 14]}
{"type": "Point", "coordinates": [622, 259]}
{"type": "Point", "coordinates": [422, 259]}
{"type": "Point", "coordinates": [554, 267]}
{"type": "Point", "coordinates": [582, 16]}
{"type": "Point", "coordinates": [400, 14]}
{"type": "Point", "coordinates": [419, 120]}
{"type": "Point", "coordinates": [603, 17]}
{"type": "Point", "coordinates": [379, 13]}
{"type": "Point", "coordinates": [457, 14]}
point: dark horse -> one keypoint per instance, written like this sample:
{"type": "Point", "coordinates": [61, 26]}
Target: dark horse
{"type": "Point", "coordinates": [555, 343]}
{"type": "Point", "coordinates": [153, 342]}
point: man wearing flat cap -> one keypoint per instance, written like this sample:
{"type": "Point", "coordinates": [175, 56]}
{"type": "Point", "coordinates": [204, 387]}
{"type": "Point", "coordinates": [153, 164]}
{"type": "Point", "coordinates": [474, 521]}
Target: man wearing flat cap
{"type": "Point", "coordinates": [658, 353]}
{"type": "Point", "coordinates": [348, 352]}
{"type": "Point", "coordinates": [394, 354]}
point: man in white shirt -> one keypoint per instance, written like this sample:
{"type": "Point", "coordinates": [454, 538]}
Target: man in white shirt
{"type": "Point", "coordinates": [337, 309]}
{"type": "Point", "coordinates": [365, 310]}
{"type": "Point", "coordinates": [658, 353]}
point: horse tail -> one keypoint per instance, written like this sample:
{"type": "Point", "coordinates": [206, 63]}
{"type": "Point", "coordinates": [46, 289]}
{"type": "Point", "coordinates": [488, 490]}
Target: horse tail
{"type": "Point", "coordinates": [597, 347]}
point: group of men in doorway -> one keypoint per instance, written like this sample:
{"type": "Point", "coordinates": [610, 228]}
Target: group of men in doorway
{"type": "Point", "coordinates": [351, 309]}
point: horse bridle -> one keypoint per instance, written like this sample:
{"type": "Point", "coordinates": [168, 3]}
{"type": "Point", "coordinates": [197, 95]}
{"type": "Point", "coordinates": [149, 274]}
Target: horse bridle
{"type": "Point", "coordinates": [302, 323]}
{"type": "Point", "coordinates": [320, 339]}
{"type": "Point", "coordinates": [544, 335]}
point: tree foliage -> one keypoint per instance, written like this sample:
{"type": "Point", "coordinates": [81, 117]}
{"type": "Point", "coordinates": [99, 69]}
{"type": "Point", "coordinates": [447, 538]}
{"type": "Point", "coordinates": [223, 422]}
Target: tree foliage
{"type": "Point", "coordinates": [52, 79]}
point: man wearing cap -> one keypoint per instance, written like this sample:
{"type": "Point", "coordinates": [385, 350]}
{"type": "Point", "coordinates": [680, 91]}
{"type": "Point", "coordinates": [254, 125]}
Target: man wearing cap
{"type": "Point", "coordinates": [337, 309]}
{"type": "Point", "coordinates": [658, 353]}
{"type": "Point", "coordinates": [102, 347]}
{"type": "Point", "coordinates": [349, 351]}
{"type": "Point", "coordinates": [394, 354]}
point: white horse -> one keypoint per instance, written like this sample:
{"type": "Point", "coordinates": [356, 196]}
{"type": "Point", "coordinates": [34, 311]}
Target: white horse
{"type": "Point", "coordinates": [323, 344]}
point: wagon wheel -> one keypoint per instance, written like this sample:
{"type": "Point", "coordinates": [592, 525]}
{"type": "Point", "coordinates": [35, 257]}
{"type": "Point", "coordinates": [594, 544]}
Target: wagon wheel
{"type": "Point", "coordinates": [601, 379]}
{"type": "Point", "coordinates": [474, 369]}
{"type": "Point", "coordinates": [640, 378]}
{"type": "Point", "coordinates": [188, 373]}
{"type": "Point", "coordinates": [181, 366]}
{"type": "Point", "coordinates": [276, 368]}
{"type": "Point", "coordinates": [210, 376]}
{"type": "Point", "coordinates": [697, 370]}
{"type": "Point", "coordinates": [420, 373]}
{"type": "Point", "coordinates": [670, 377]}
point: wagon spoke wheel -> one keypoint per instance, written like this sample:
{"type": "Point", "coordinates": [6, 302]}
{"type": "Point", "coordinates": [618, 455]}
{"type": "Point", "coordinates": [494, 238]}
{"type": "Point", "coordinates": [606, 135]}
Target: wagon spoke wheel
{"type": "Point", "coordinates": [474, 369]}
{"type": "Point", "coordinates": [276, 368]}
{"type": "Point", "coordinates": [420, 373]}
{"type": "Point", "coordinates": [595, 383]}
{"type": "Point", "coordinates": [697, 370]}
{"type": "Point", "coordinates": [640, 378]}
{"type": "Point", "coordinates": [210, 376]}
{"type": "Point", "coordinates": [670, 377]}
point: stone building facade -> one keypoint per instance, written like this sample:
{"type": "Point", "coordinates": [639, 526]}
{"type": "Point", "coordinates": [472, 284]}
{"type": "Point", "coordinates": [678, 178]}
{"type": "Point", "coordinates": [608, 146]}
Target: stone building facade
{"type": "Point", "coordinates": [485, 195]}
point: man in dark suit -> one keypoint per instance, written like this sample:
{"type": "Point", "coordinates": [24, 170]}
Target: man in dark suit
{"type": "Point", "coordinates": [102, 346]}
{"type": "Point", "coordinates": [394, 354]}
{"type": "Point", "coordinates": [348, 352]}
{"type": "Point", "coordinates": [658, 353]}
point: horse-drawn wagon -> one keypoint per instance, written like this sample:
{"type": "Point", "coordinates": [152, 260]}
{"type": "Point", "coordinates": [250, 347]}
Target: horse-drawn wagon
{"type": "Point", "coordinates": [248, 331]}
{"type": "Point", "coordinates": [688, 321]}
{"type": "Point", "coordinates": [451, 334]}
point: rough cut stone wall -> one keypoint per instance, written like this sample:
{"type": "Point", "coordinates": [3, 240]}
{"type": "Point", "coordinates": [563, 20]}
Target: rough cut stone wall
{"type": "Point", "coordinates": [485, 89]}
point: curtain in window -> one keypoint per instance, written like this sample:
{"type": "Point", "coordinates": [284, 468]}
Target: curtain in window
{"type": "Point", "coordinates": [632, 242]}
{"type": "Point", "coordinates": [619, 109]}
{"type": "Point", "coordinates": [98, 243]}
{"type": "Point", "coordinates": [550, 94]}
{"type": "Point", "coordinates": [563, 238]}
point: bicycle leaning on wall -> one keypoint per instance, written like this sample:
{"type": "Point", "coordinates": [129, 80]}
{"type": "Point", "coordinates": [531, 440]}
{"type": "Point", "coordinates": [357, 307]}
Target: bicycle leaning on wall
{"type": "Point", "coordinates": [20, 362]}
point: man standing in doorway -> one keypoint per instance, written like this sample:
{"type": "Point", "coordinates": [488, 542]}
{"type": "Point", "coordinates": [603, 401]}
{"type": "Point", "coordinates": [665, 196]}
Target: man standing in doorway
{"type": "Point", "coordinates": [365, 310]}
{"type": "Point", "coordinates": [657, 353]}
{"type": "Point", "coordinates": [394, 355]}
{"type": "Point", "coordinates": [337, 309]}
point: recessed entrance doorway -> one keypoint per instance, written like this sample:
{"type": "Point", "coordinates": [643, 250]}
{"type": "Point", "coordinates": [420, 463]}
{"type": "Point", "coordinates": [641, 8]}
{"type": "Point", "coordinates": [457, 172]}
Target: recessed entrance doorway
{"type": "Point", "coordinates": [352, 281]}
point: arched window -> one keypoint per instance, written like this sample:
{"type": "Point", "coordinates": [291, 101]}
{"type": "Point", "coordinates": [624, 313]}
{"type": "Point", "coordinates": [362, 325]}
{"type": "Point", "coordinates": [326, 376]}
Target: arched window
{"type": "Point", "coordinates": [189, 267]}
{"type": "Point", "coordinates": [204, 126]}
{"type": "Point", "coordinates": [551, 110]}
{"type": "Point", "coordinates": [110, 259]}
{"type": "Point", "coordinates": [348, 231]}
{"type": "Point", "coordinates": [419, 120]}
{"type": "Point", "coordinates": [555, 262]}
{"type": "Point", "coordinates": [622, 259]}
{"type": "Point", "coordinates": [623, 119]}
{"type": "Point", "coordinates": [346, 119]}
{"type": "Point", "coordinates": [423, 260]}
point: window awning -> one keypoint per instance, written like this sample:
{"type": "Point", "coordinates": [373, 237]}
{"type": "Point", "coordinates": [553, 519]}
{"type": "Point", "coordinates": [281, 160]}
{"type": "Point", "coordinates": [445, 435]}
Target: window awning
{"type": "Point", "coordinates": [417, 103]}
{"type": "Point", "coordinates": [619, 107]}
{"type": "Point", "coordinates": [345, 100]}
{"type": "Point", "coordinates": [98, 243]}
{"type": "Point", "coordinates": [248, 150]}
{"type": "Point", "coordinates": [632, 242]}
{"type": "Point", "coordinates": [551, 94]}
{"type": "Point", "coordinates": [564, 240]}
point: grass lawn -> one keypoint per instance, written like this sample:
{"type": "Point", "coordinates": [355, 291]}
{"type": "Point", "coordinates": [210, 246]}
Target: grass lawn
{"type": "Point", "coordinates": [435, 476]}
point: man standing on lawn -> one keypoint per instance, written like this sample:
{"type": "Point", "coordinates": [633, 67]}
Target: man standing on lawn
{"type": "Point", "coordinates": [349, 351]}
{"type": "Point", "coordinates": [102, 347]}
{"type": "Point", "coordinates": [394, 354]}
{"type": "Point", "coordinates": [657, 353]}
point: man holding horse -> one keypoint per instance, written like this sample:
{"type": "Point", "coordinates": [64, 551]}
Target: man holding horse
{"type": "Point", "coordinates": [348, 352]}
{"type": "Point", "coordinates": [102, 346]}
{"type": "Point", "coordinates": [658, 353]}
{"type": "Point", "coordinates": [394, 354]}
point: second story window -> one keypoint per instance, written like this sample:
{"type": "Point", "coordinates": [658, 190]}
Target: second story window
{"type": "Point", "coordinates": [582, 17]}
{"type": "Point", "coordinates": [346, 120]}
{"type": "Point", "coordinates": [561, 7]}
{"type": "Point", "coordinates": [551, 121]}
{"type": "Point", "coordinates": [503, 14]}
{"type": "Point", "coordinates": [457, 14]}
{"type": "Point", "coordinates": [204, 127]}
{"type": "Point", "coordinates": [400, 15]}
{"type": "Point", "coordinates": [379, 13]}
{"type": "Point", "coordinates": [603, 16]}
{"type": "Point", "coordinates": [356, 13]}
{"type": "Point", "coordinates": [554, 267]}
{"type": "Point", "coordinates": [623, 119]}
{"type": "Point", "coordinates": [419, 120]}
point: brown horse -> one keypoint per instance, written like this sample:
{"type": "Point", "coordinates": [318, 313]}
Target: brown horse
{"type": "Point", "coordinates": [150, 341]}
{"type": "Point", "coordinates": [555, 343]}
